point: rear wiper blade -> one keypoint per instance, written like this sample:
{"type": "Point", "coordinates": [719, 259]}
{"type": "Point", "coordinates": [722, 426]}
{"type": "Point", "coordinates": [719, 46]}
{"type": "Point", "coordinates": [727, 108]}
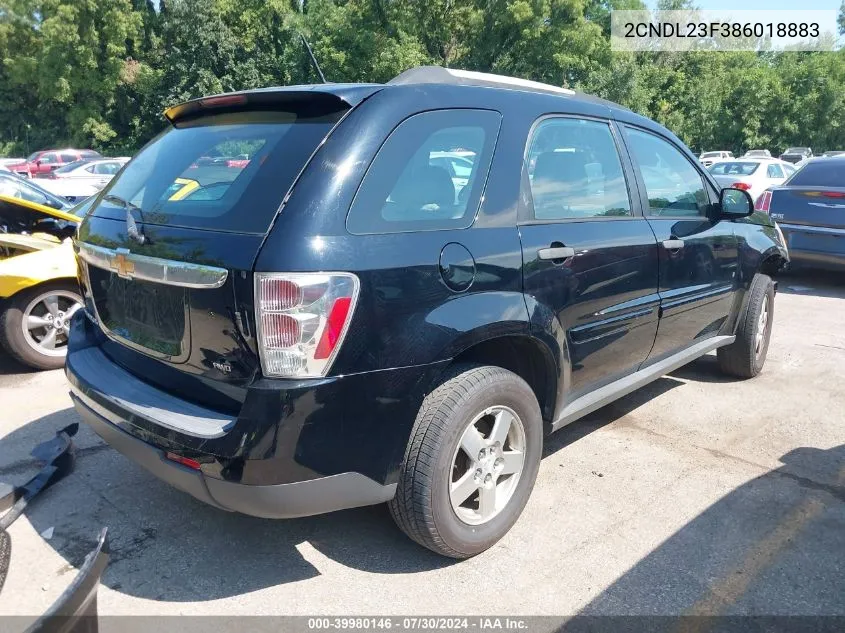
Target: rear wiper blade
{"type": "Point", "coordinates": [132, 229]}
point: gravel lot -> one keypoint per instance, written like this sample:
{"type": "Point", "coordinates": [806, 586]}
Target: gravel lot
{"type": "Point", "coordinates": [697, 494]}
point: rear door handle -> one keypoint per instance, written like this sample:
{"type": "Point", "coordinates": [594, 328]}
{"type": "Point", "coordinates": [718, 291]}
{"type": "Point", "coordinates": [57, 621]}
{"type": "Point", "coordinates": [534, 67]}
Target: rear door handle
{"type": "Point", "coordinates": [673, 245]}
{"type": "Point", "coordinates": [556, 252]}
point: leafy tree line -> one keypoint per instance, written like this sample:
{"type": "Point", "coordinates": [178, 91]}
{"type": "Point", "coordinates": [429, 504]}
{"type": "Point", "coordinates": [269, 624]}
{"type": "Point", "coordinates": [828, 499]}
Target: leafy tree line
{"type": "Point", "coordinates": [98, 73]}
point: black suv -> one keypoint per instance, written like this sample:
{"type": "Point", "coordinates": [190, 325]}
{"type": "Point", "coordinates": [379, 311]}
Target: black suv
{"type": "Point", "coordinates": [396, 290]}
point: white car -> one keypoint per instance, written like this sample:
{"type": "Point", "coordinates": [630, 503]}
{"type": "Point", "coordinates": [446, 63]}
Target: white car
{"type": "Point", "coordinates": [81, 179]}
{"type": "Point", "coordinates": [708, 158]}
{"type": "Point", "coordinates": [754, 175]}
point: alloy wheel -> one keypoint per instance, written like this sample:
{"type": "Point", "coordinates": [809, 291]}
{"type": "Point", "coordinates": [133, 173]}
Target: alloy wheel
{"type": "Point", "coordinates": [487, 465]}
{"type": "Point", "coordinates": [762, 324]}
{"type": "Point", "coordinates": [46, 321]}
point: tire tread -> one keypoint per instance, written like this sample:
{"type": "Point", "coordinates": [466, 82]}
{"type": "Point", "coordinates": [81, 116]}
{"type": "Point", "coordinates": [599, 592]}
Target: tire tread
{"type": "Point", "coordinates": [411, 508]}
{"type": "Point", "coordinates": [739, 358]}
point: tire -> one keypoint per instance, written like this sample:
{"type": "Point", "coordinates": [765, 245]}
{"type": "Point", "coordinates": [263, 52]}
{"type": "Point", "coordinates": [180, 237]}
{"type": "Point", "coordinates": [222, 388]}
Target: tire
{"type": "Point", "coordinates": [23, 345]}
{"type": "Point", "coordinates": [435, 461]}
{"type": "Point", "coordinates": [745, 357]}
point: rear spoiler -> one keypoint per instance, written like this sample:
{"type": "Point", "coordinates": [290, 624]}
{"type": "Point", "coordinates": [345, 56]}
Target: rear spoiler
{"type": "Point", "coordinates": [328, 97]}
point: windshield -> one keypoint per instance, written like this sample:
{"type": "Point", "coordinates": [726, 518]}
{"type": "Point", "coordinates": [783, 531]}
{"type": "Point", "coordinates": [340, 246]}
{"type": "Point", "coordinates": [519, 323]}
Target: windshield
{"type": "Point", "coordinates": [734, 168]}
{"type": "Point", "coordinates": [224, 171]}
{"type": "Point", "coordinates": [711, 154]}
{"type": "Point", "coordinates": [33, 156]}
{"type": "Point", "coordinates": [795, 150]}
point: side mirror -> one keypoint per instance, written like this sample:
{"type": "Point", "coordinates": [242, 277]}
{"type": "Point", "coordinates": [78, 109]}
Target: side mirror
{"type": "Point", "coordinates": [735, 203]}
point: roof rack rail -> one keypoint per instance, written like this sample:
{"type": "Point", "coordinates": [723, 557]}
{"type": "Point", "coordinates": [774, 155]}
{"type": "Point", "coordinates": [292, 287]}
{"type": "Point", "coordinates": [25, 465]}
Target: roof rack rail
{"type": "Point", "coordinates": [440, 75]}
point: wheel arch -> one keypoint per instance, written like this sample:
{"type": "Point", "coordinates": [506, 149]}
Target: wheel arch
{"type": "Point", "coordinates": [16, 290]}
{"type": "Point", "coordinates": [771, 262]}
{"type": "Point", "coordinates": [525, 356]}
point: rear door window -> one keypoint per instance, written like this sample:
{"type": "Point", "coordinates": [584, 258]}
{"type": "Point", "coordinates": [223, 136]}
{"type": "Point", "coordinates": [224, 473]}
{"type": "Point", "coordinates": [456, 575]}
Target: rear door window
{"type": "Point", "coordinates": [226, 171]}
{"type": "Point", "coordinates": [428, 175]}
{"type": "Point", "coordinates": [575, 171]}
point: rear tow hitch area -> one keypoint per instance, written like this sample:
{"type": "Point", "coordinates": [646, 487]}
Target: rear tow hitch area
{"type": "Point", "coordinates": [76, 609]}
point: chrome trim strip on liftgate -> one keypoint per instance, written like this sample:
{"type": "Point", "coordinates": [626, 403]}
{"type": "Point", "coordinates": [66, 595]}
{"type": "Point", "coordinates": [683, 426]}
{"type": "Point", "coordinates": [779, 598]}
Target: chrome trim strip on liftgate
{"type": "Point", "coordinates": [164, 271]}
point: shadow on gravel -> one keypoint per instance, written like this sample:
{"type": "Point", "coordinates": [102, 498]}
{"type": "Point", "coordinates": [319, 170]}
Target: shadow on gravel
{"type": "Point", "coordinates": [773, 546]}
{"type": "Point", "coordinates": [704, 369]}
{"type": "Point", "coordinates": [167, 546]}
{"type": "Point", "coordinates": [9, 366]}
{"type": "Point", "coordinates": [818, 283]}
{"type": "Point", "coordinates": [607, 414]}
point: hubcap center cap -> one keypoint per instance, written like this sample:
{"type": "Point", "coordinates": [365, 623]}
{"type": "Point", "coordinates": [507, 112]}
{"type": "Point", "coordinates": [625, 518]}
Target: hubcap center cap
{"type": "Point", "coordinates": [489, 465]}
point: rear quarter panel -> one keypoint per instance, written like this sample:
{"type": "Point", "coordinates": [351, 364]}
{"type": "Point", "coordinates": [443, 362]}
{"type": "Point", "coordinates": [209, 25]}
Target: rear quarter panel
{"type": "Point", "coordinates": [406, 315]}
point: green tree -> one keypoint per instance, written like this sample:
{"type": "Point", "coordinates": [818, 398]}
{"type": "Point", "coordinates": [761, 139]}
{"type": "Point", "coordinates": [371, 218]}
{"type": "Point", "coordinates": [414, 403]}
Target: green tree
{"type": "Point", "coordinates": [100, 72]}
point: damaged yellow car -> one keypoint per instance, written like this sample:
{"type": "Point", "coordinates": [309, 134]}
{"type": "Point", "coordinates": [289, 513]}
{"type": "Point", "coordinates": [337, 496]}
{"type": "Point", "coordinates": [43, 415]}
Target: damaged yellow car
{"type": "Point", "coordinates": [38, 287]}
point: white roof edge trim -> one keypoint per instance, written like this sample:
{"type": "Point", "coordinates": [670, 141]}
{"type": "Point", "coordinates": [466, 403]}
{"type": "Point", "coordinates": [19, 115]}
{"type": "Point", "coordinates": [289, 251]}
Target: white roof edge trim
{"type": "Point", "coordinates": [503, 79]}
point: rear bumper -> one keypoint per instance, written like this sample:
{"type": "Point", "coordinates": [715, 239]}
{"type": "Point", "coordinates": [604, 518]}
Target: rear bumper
{"type": "Point", "coordinates": [295, 448]}
{"type": "Point", "coordinates": [813, 246]}
{"type": "Point", "coordinates": [280, 501]}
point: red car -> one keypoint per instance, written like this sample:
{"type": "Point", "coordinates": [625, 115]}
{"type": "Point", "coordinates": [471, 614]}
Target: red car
{"type": "Point", "coordinates": [47, 160]}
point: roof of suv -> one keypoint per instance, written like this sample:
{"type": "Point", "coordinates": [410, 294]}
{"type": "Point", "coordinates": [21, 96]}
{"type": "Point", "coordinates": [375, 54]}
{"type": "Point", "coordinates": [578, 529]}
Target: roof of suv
{"type": "Point", "coordinates": [354, 93]}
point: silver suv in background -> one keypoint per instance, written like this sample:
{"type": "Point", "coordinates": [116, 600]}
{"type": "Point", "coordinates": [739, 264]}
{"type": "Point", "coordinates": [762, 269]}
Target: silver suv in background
{"type": "Point", "coordinates": [708, 158]}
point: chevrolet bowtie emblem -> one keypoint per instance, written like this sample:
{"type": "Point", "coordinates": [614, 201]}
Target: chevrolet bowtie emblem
{"type": "Point", "coordinates": [122, 265]}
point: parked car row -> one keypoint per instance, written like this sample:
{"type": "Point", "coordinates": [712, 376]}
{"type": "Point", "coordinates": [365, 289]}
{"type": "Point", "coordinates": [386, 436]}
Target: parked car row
{"type": "Point", "coordinates": [81, 179]}
{"type": "Point", "coordinates": [751, 174]}
{"type": "Point", "coordinates": [47, 160]}
{"type": "Point", "coordinates": [792, 155]}
{"type": "Point", "coordinates": [71, 173]}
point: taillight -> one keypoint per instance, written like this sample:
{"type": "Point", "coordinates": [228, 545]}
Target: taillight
{"type": "Point", "coordinates": [763, 202]}
{"type": "Point", "coordinates": [741, 185]}
{"type": "Point", "coordinates": [302, 320]}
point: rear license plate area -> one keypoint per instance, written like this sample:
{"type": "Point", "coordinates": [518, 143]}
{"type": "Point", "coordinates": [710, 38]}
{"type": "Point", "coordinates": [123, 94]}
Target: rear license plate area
{"type": "Point", "coordinates": [146, 315]}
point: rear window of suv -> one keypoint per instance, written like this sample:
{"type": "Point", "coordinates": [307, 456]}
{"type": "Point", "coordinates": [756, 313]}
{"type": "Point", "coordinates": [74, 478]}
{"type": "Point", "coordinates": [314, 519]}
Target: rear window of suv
{"type": "Point", "coordinates": [226, 171]}
{"type": "Point", "coordinates": [428, 175]}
